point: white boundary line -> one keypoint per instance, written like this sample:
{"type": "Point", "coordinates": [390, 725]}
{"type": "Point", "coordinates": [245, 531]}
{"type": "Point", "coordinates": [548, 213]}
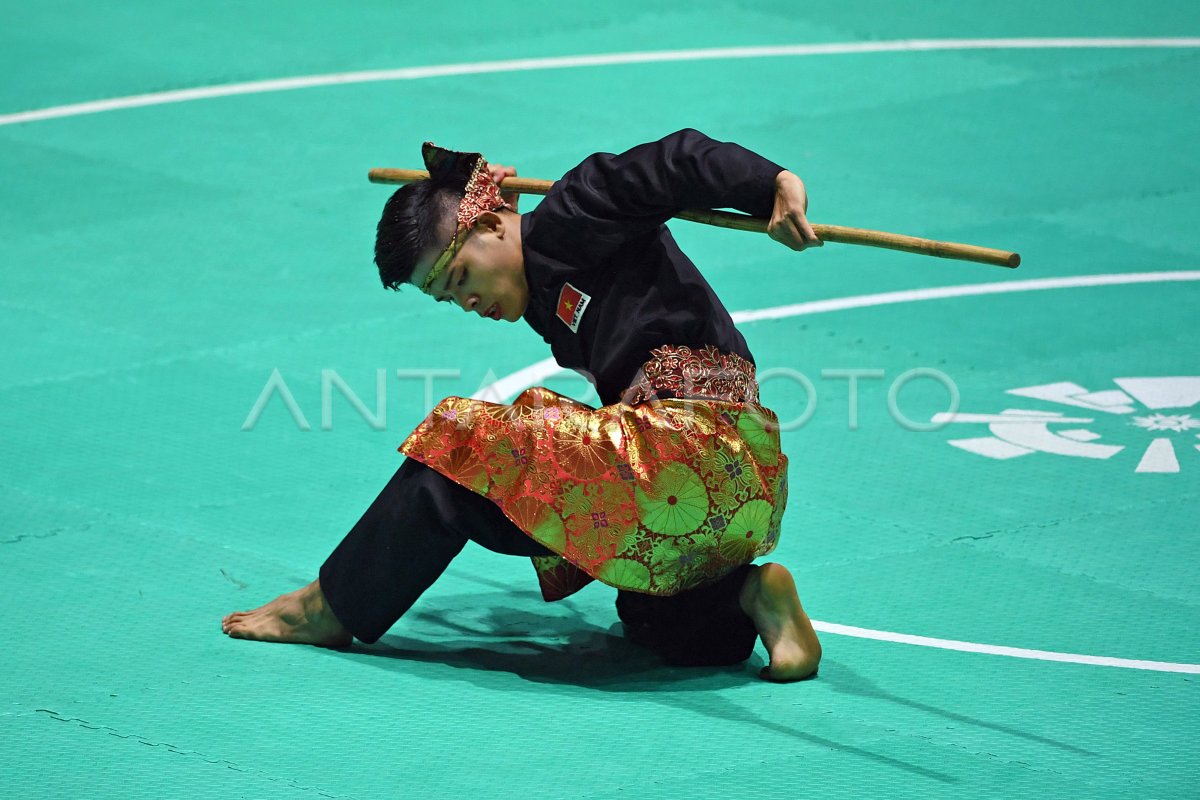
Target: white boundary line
{"type": "Point", "coordinates": [998, 650]}
{"type": "Point", "coordinates": [569, 62]}
{"type": "Point", "coordinates": [510, 385]}
{"type": "Point", "coordinates": [965, 290]}
{"type": "Point", "coordinates": [542, 369]}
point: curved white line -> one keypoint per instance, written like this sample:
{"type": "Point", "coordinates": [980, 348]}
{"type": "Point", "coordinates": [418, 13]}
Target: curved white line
{"type": "Point", "coordinates": [568, 62]}
{"type": "Point", "coordinates": [543, 369]}
{"type": "Point", "coordinates": [512, 384]}
{"type": "Point", "coordinates": [998, 650]}
{"type": "Point", "coordinates": [943, 292]}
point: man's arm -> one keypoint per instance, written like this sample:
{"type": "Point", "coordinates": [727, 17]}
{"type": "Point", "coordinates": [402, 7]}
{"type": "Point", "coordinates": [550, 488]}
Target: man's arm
{"type": "Point", "coordinates": [638, 190]}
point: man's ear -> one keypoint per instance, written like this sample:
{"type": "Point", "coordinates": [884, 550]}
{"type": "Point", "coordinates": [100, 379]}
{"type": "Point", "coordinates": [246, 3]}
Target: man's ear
{"type": "Point", "coordinates": [490, 221]}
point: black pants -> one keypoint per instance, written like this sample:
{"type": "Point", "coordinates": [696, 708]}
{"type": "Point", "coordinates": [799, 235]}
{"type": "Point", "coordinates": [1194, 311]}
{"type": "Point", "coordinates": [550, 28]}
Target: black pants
{"type": "Point", "coordinates": [422, 520]}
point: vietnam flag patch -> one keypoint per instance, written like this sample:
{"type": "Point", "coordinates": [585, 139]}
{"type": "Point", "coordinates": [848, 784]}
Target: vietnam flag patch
{"type": "Point", "coordinates": [571, 304]}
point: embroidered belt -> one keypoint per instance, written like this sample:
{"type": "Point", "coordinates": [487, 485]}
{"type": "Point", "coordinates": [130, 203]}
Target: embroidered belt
{"type": "Point", "coordinates": [679, 371]}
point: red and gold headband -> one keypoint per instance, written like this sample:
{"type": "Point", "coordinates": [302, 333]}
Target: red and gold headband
{"type": "Point", "coordinates": [480, 194]}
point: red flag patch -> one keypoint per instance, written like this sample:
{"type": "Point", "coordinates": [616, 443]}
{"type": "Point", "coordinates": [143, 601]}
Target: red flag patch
{"type": "Point", "coordinates": [571, 304]}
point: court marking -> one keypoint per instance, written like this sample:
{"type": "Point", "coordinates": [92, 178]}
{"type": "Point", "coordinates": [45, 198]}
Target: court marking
{"type": "Point", "coordinates": [511, 384]}
{"type": "Point", "coordinates": [583, 61]}
{"type": "Point", "coordinates": [999, 650]}
{"type": "Point", "coordinates": [549, 367]}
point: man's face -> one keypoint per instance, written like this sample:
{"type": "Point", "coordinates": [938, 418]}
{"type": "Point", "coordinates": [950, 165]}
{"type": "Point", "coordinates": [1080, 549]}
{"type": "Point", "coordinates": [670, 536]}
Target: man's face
{"type": "Point", "coordinates": [487, 275]}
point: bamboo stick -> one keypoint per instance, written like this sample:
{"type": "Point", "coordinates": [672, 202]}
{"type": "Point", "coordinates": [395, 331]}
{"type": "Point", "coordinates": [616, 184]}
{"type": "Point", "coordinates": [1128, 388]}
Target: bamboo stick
{"type": "Point", "coordinates": [744, 222]}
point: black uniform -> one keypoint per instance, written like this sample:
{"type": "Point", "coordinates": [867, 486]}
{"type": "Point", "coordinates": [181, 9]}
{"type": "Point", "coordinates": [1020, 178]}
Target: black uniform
{"type": "Point", "coordinates": [598, 234]}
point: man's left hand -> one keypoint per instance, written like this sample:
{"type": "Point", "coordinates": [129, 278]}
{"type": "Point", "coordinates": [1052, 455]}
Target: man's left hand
{"type": "Point", "coordinates": [788, 224]}
{"type": "Point", "coordinates": [499, 173]}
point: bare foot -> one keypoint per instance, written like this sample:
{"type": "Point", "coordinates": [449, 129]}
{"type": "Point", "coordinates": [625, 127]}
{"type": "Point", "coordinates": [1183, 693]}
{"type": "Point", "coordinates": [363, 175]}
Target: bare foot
{"type": "Point", "coordinates": [302, 616]}
{"type": "Point", "coordinates": [769, 598]}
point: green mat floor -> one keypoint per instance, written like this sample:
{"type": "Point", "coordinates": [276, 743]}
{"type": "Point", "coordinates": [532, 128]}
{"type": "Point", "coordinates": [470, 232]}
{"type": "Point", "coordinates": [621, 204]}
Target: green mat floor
{"type": "Point", "coordinates": [161, 258]}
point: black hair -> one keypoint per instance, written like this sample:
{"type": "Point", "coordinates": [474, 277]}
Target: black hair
{"type": "Point", "coordinates": [409, 227]}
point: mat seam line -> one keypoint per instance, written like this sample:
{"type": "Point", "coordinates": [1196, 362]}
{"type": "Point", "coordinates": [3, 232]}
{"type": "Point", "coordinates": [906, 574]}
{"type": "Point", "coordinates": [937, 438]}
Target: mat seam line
{"type": "Point", "coordinates": [82, 723]}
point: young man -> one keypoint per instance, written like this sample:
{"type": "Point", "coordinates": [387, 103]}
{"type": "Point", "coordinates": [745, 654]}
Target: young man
{"type": "Point", "coordinates": [668, 492]}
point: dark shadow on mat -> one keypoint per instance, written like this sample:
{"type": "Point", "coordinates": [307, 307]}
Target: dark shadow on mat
{"type": "Point", "coordinates": [485, 640]}
{"type": "Point", "coordinates": [589, 656]}
{"type": "Point", "coordinates": [565, 651]}
{"type": "Point", "coordinates": [841, 678]}
{"type": "Point", "coordinates": [718, 706]}
{"type": "Point", "coordinates": [502, 630]}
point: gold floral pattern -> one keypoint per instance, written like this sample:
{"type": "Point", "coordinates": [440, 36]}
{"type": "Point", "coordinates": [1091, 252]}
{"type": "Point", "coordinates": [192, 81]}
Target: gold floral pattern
{"type": "Point", "coordinates": [581, 447]}
{"type": "Point", "coordinates": [680, 371]}
{"type": "Point", "coordinates": [747, 530]}
{"type": "Point", "coordinates": [675, 502]}
{"type": "Point", "coordinates": [537, 519]}
{"type": "Point", "coordinates": [654, 497]}
{"type": "Point", "coordinates": [761, 433]}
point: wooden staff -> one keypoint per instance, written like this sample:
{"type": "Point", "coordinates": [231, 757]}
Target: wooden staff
{"type": "Point", "coordinates": [744, 222]}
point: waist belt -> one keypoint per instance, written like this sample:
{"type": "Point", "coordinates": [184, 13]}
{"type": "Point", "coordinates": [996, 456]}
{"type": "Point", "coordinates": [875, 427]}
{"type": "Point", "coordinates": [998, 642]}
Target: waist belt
{"type": "Point", "coordinates": [679, 371]}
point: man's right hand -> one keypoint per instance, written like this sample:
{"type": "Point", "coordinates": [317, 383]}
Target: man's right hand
{"type": "Point", "coordinates": [788, 224]}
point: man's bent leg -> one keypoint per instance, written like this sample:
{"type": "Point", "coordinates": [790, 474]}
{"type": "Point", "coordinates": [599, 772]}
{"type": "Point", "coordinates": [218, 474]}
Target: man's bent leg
{"type": "Point", "coordinates": [704, 626]}
{"type": "Point", "coordinates": [405, 540]}
{"type": "Point", "coordinates": [718, 623]}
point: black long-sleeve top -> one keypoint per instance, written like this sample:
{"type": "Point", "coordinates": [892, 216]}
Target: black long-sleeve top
{"type": "Point", "coordinates": [600, 231]}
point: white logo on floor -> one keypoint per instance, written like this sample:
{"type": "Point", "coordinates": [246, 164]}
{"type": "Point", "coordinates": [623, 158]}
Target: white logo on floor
{"type": "Point", "coordinates": [1019, 432]}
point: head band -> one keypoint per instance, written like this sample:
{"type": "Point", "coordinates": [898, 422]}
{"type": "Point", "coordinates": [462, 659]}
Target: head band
{"type": "Point", "coordinates": [480, 194]}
